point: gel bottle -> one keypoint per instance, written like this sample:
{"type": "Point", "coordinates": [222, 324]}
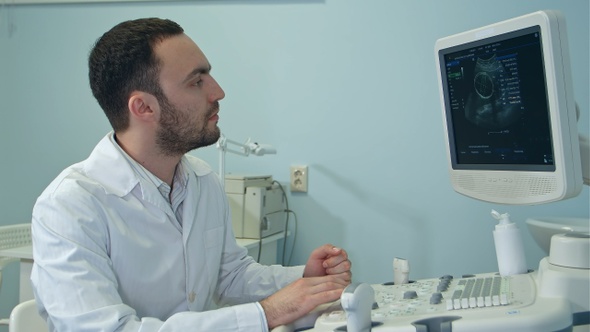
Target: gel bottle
{"type": "Point", "coordinates": [509, 246]}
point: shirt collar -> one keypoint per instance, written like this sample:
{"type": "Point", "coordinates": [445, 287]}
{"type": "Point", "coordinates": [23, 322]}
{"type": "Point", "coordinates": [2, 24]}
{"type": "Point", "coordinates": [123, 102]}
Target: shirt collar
{"type": "Point", "coordinates": [180, 173]}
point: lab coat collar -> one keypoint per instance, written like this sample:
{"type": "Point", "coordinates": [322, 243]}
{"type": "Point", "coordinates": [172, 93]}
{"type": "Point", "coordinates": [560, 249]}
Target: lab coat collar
{"type": "Point", "coordinates": [108, 166]}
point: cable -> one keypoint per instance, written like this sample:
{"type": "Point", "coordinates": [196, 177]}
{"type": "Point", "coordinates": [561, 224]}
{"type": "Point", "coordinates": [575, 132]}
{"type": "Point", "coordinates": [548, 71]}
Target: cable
{"type": "Point", "coordinates": [260, 241]}
{"type": "Point", "coordinates": [286, 226]}
{"type": "Point", "coordinates": [286, 231]}
{"type": "Point", "coordinates": [259, 248]}
{"type": "Point", "coordinates": [294, 238]}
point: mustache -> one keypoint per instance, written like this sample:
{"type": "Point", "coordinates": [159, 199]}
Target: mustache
{"type": "Point", "coordinates": [213, 109]}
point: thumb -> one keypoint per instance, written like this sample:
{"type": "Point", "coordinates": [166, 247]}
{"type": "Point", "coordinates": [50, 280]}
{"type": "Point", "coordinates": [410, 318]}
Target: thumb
{"type": "Point", "coordinates": [326, 250]}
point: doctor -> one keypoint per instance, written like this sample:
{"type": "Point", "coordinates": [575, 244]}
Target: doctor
{"type": "Point", "coordinates": [138, 236]}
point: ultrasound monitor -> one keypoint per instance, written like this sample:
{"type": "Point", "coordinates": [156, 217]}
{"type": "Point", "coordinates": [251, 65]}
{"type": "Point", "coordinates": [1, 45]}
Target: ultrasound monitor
{"type": "Point", "coordinates": [509, 111]}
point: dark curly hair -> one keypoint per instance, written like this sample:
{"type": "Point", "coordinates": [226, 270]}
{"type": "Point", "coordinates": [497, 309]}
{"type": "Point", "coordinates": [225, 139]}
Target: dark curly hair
{"type": "Point", "coordinates": [123, 60]}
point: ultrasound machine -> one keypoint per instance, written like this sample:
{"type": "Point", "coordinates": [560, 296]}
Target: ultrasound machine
{"type": "Point", "coordinates": [512, 138]}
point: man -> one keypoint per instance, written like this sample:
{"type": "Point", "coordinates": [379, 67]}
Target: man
{"type": "Point", "coordinates": [138, 236]}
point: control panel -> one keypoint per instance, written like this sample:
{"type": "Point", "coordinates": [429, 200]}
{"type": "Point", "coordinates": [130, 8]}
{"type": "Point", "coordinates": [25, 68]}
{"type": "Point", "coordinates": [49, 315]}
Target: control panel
{"type": "Point", "coordinates": [480, 302]}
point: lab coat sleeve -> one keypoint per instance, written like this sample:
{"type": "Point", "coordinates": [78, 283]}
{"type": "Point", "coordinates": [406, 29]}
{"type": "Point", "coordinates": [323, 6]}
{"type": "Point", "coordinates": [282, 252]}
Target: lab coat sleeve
{"type": "Point", "coordinates": [243, 280]}
{"type": "Point", "coordinates": [75, 285]}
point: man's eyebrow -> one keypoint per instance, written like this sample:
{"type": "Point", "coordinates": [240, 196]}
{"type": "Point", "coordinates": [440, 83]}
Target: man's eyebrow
{"type": "Point", "coordinates": [197, 71]}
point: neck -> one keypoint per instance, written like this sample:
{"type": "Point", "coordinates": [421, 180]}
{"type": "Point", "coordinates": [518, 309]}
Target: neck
{"type": "Point", "coordinates": [146, 153]}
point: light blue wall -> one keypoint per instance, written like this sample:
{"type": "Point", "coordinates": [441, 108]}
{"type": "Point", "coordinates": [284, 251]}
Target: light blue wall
{"type": "Point", "coordinates": [346, 87]}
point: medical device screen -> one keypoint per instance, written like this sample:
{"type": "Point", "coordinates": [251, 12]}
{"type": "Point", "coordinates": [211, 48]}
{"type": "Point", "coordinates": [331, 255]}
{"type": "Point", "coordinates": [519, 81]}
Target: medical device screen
{"type": "Point", "coordinates": [497, 107]}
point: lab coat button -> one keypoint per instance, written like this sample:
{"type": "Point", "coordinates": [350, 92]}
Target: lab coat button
{"type": "Point", "coordinates": [191, 297]}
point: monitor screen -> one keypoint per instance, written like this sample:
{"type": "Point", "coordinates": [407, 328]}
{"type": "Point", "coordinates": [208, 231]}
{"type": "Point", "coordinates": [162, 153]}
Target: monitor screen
{"type": "Point", "coordinates": [509, 120]}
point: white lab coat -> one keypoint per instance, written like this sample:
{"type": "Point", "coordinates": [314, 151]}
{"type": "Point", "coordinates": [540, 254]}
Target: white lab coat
{"type": "Point", "coordinates": [110, 255]}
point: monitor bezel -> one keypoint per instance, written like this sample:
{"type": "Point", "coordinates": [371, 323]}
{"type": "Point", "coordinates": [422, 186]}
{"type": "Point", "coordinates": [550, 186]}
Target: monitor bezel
{"type": "Point", "coordinates": [504, 184]}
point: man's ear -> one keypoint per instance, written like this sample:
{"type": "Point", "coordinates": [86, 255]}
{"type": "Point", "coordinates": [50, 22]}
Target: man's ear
{"type": "Point", "coordinates": [143, 106]}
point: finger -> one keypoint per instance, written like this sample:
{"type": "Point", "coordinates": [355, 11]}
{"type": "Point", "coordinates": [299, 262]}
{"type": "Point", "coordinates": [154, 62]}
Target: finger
{"type": "Point", "coordinates": [325, 251]}
{"type": "Point", "coordinates": [344, 278]}
{"type": "Point", "coordinates": [335, 284]}
{"type": "Point", "coordinates": [335, 260]}
{"type": "Point", "coordinates": [342, 267]}
{"type": "Point", "coordinates": [327, 295]}
{"type": "Point", "coordinates": [335, 251]}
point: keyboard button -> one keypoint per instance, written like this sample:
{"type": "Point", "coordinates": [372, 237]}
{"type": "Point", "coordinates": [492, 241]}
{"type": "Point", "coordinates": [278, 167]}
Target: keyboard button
{"type": "Point", "coordinates": [435, 298]}
{"type": "Point", "coordinates": [495, 300]}
{"type": "Point", "coordinates": [480, 302]}
{"type": "Point", "coordinates": [449, 304]}
{"type": "Point", "coordinates": [465, 303]}
{"type": "Point", "coordinates": [504, 299]}
{"type": "Point", "coordinates": [410, 294]}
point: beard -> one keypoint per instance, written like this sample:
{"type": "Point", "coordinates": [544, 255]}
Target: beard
{"type": "Point", "coordinates": [179, 133]}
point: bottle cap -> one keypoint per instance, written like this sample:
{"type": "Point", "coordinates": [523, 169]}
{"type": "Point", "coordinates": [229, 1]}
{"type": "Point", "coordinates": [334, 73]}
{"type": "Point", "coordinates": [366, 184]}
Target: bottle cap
{"type": "Point", "coordinates": [503, 220]}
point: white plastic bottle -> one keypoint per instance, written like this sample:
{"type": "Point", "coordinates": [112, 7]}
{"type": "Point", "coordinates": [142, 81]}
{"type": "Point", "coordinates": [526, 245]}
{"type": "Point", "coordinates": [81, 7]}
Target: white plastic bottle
{"type": "Point", "coordinates": [401, 271]}
{"type": "Point", "coordinates": [509, 246]}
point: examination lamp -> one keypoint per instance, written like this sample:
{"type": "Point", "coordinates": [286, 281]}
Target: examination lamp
{"type": "Point", "coordinates": [244, 149]}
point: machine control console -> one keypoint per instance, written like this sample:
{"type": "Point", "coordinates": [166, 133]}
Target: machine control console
{"type": "Point", "coordinates": [456, 304]}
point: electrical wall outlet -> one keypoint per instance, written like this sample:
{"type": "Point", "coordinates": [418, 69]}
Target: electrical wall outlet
{"type": "Point", "coordinates": [299, 179]}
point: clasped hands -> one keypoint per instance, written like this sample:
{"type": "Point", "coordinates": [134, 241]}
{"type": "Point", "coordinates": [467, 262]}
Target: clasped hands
{"type": "Point", "coordinates": [326, 274]}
